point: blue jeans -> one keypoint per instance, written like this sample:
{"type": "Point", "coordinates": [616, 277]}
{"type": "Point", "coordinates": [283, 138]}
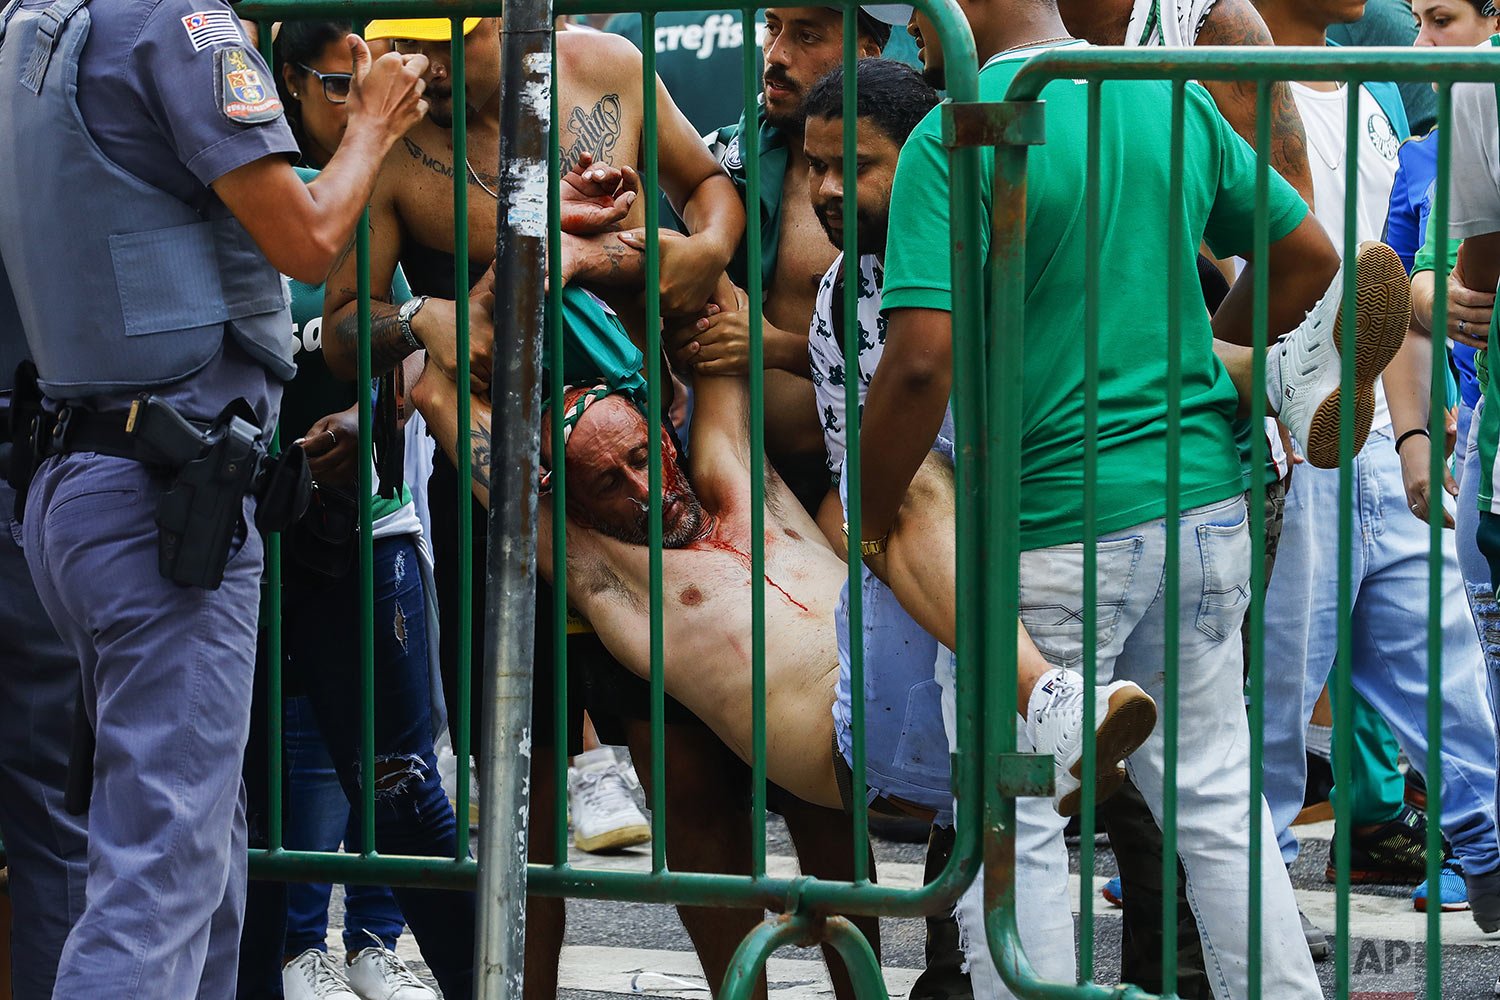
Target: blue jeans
{"type": "Point", "coordinates": [167, 673]}
{"type": "Point", "coordinates": [46, 848]}
{"type": "Point", "coordinates": [318, 818]}
{"type": "Point", "coordinates": [1213, 771]}
{"type": "Point", "coordinates": [321, 623]}
{"type": "Point", "coordinates": [1389, 624]}
{"type": "Point", "coordinates": [1471, 562]}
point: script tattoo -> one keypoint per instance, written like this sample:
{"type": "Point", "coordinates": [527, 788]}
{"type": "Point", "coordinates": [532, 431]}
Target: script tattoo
{"type": "Point", "coordinates": [437, 166]}
{"type": "Point", "coordinates": [594, 133]}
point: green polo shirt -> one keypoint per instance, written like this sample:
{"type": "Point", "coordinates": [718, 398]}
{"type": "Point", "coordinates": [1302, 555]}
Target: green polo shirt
{"type": "Point", "coordinates": [1219, 204]}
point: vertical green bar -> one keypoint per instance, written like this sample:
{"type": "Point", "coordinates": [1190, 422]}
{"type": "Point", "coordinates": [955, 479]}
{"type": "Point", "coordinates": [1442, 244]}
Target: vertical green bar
{"type": "Point", "coordinates": [1260, 324]}
{"type": "Point", "coordinates": [465, 458]}
{"type": "Point", "coordinates": [555, 384]}
{"type": "Point", "coordinates": [1176, 240]}
{"type": "Point", "coordinates": [750, 147]}
{"type": "Point", "coordinates": [852, 382]}
{"type": "Point", "coordinates": [366, 553]}
{"type": "Point", "coordinates": [1343, 702]}
{"type": "Point", "coordinates": [272, 607]}
{"type": "Point", "coordinates": [1436, 406]}
{"type": "Point", "coordinates": [1004, 362]}
{"type": "Point", "coordinates": [1087, 818]}
{"type": "Point", "coordinates": [653, 379]}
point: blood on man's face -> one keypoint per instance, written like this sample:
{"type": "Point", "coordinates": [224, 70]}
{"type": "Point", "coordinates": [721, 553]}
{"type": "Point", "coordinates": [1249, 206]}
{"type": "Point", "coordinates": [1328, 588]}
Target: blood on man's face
{"type": "Point", "coordinates": [608, 463]}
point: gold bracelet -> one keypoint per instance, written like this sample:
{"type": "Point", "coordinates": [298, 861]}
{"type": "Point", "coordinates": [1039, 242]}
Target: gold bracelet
{"type": "Point", "coordinates": [866, 549]}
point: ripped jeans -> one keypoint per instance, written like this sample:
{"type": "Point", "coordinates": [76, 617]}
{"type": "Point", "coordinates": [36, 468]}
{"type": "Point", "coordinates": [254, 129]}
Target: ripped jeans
{"type": "Point", "coordinates": [321, 622]}
{"type": "Point", "coordinates": [1471, 562]}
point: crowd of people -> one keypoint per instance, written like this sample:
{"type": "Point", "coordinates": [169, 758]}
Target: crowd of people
{"type": "Point", "coordinates": [135, 682]}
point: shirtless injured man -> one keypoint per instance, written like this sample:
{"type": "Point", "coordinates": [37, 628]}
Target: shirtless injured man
{"type": "Point", "coordinates": [706, 589]}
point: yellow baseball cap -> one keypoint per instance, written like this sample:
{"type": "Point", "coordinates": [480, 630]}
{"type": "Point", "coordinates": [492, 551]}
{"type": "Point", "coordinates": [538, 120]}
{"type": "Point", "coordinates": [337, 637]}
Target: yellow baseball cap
{"type": "Point", "coordinates": [418, 29]}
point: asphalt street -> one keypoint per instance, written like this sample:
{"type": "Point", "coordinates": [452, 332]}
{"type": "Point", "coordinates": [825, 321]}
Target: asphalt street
{"type": "Point", "coordinates": [614, 950]}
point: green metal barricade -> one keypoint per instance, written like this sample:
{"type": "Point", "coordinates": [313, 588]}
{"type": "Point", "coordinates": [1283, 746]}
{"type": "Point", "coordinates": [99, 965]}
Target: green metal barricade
{"type": "Point", "coordinates": [808, 906]}
{"type": "Point", "coordinates": [988, 772]}
{"type": "Point", "coordinates": [1005, 361]}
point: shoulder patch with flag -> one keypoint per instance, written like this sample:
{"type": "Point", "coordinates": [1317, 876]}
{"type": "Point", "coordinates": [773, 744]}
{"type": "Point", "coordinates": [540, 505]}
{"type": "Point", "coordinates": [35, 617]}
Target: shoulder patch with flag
{"type": "Point", "coordinates": [211, 27]}
{"type": "Point", "coordinates": [246, 97]}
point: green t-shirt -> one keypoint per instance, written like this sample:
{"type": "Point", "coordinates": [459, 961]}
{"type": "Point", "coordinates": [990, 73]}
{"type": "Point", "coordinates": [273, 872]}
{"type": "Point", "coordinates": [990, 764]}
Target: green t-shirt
{"type": "Point", "coordinates": [1219, 208]}
{"type": "Point", "coordinates": [314, 392]}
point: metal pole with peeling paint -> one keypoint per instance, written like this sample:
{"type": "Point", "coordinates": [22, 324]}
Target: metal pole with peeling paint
{"type": "Point", "coordinates": [515, 387]}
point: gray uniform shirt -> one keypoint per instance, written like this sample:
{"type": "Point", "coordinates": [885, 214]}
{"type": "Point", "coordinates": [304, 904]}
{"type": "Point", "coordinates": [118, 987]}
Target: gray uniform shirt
{"type": "Point", "coordinates": [152, 93]}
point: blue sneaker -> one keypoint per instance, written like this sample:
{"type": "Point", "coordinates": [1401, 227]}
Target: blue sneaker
{"type": "Point", "coordinates": [1113, 892]}
{"type": "Point", "coordinates": [1453, 892]}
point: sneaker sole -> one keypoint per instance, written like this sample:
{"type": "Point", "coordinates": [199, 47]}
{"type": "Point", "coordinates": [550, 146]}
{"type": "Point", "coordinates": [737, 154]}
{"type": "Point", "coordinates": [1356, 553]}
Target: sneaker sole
{"type": "Point", "coordinates": [1128, 722]}
{"type": "Point", "coordinates": [1383, 312]}
{"type": "Point", "coordinates": [1420, 905]}
{"type": "Point", "coordinates": [1373, 877]}
{"type": "Point", "coordinates": [613, 840]}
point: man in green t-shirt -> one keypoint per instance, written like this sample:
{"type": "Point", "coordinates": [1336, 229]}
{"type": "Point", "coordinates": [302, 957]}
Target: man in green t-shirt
{"type": "Point", "coordinates": [908, 397]}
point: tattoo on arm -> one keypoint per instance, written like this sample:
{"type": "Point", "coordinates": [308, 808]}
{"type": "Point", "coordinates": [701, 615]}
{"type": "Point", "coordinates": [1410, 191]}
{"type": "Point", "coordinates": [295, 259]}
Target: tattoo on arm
{"type": "Point", "coordinates": [479, 453]}
{"type": "Point", "coordinates": [595, 133]}
{"type": "Point", "coordinates": [1236, 22]}
{"type": "Point", "coordinates": [1289, 140]}
{"type": "Point", "coordinates": [388, 348]}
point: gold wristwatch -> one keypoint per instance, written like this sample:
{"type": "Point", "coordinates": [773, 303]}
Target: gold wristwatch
{"type": "Point", "coordinates": [874, 548]}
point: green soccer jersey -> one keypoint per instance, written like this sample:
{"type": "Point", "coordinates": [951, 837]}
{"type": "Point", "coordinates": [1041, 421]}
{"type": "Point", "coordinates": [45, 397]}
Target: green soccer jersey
{"type": "Point", "coordinates": [1219, 208]}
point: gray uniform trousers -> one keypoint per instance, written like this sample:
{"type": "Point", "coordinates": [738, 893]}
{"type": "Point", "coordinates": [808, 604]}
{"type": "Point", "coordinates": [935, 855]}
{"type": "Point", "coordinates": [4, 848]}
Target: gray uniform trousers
{"type": "Point", "coordinates": [167, 674]}
{"type": "Point", "coordinates": [46, 849]}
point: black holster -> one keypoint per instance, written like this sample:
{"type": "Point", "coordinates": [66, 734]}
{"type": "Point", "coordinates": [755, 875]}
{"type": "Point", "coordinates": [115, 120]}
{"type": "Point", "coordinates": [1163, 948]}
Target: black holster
{"type": "Point", "coordinates": [198, 515]}
{"type": "Point", "coordinates": [22, 426]}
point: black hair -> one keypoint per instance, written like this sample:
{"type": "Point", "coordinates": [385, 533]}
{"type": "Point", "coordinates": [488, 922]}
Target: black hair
{"type": "Point", "coordinates": [891, 94]}
{"type": "Point", "coordinates": [873, 28]}
{"type": "Point", "coordinates": [298, 43]}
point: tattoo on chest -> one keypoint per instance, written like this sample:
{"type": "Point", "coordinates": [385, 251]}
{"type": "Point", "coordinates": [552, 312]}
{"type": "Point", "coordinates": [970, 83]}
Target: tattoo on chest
{"type": "Point", "coordinates": [437, 166]}
{"type": "Point", "coordinates": [594, 133]}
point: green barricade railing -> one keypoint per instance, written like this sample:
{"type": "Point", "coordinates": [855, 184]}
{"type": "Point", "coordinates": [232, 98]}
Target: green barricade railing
{"type": "Point", "coordinates": [988, 386]}
{"type": "Point", "coordinates": [1004, 385]}
{"type": "Point", "coordinates": [809, 904]}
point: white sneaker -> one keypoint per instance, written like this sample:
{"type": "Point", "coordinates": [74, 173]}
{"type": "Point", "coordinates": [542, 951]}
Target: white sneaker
{"type": "Point", "coordinates": [313, 975]}
{"type": "Point", "coordinates": [1124, 717]}
{"type": "Point", "coordinates": [604, 813]}
{"type": "Point", "coordinates": [1304, 370]}
{"type": "Point", "coordinates": [377, 973]}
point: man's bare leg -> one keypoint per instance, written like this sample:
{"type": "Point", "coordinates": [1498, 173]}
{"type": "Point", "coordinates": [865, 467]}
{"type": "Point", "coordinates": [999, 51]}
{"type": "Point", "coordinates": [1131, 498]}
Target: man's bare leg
{"type": "Point", "coordinates": [824, 840]}
{"type": "Point", "coordinates": [707, 830]}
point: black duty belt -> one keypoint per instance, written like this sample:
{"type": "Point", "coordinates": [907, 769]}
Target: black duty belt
{"type": "Point", "coordinates": [113, 433]}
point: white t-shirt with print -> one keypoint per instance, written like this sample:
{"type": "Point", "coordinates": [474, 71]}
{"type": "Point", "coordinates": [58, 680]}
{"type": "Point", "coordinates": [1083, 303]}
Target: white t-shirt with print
{"type": "Point", "coordinates": [1174, 24]}
{"type": "Point", "coordinates": [827, 356]}
{"type": "Point", "coordinates": [1324, 119]}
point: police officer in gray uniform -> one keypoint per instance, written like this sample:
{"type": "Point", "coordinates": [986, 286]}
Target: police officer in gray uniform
{"type": "Point", "coordinates": [45, 848]}
{"type": "Point", "coordinates": [148, 209]}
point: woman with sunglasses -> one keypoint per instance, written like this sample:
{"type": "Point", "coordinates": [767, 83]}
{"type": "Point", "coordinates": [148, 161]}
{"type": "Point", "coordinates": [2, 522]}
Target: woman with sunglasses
{"type": "Point", "coordinates": [321, 624]}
